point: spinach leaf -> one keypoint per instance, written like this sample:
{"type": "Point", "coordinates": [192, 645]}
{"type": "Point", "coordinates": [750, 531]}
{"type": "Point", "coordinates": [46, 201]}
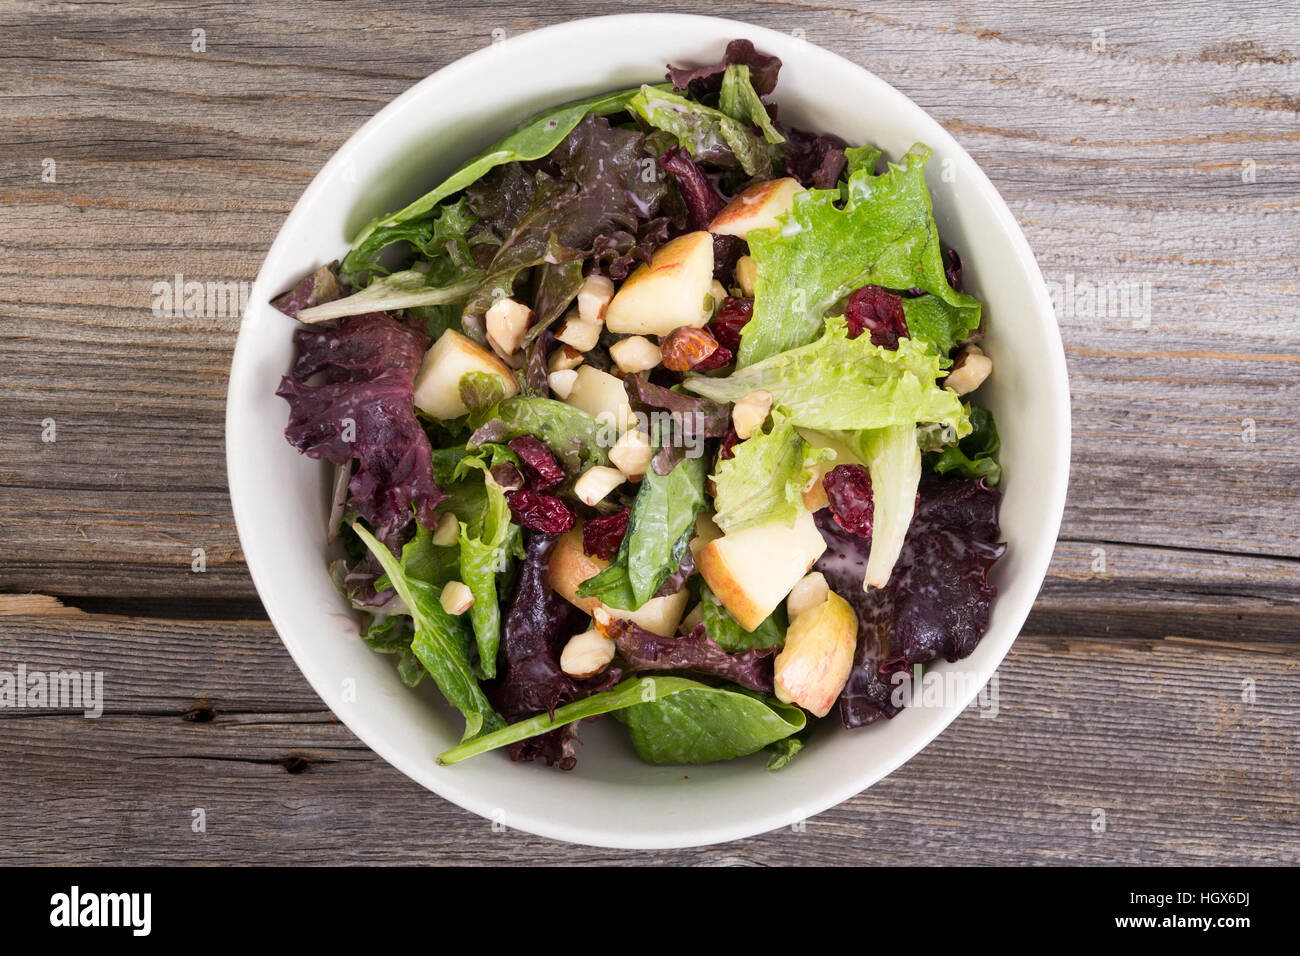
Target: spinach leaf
{"type": "Point", "coordinates": [626, 694]}
{"type": "Point", "coordinates": [709, 135]}
{"type": "Point", "coordinates": [726, 630]}
{"type": "Point", "coordinates": [711, 723]}
{"type": "Point", "coordinates": [884, 235]}
{"type": "Point", "coordinates": [659, 531]}
{"type": "Point", "coordinates": [707, 724]}
{"type": "Point", "coordinates": [532, 139]}
{"type": "Point", "coordinates": [975, 456]}
{"type": "Point", "coordinates": [440, 642]}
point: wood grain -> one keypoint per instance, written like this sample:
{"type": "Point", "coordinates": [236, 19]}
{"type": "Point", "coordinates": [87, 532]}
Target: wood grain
{"type": "Point", "coordinates": [1159, 738]}
{"type": "Point", "coordinates": [1160, 153]}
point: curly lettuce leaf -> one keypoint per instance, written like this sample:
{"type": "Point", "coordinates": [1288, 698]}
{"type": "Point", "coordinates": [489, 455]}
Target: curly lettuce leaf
{"type": "Point", "coordinates": [764, 479]}
{"type": "Point", "coordinates": [884, 235]}
{"type": "Point", "coordinates": [440, 642]}
{"type": "Point", "coordinates": [847, 384]}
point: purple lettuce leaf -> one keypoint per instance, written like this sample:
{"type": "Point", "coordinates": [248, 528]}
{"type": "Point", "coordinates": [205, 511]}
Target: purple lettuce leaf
{"type": "Point", "coordinates": [705, 80]}
{"type": "Point", "coordinates": [696, 653]}
{"type": "Point", "coordinates": [816, 161]}
{"type": "Point", "coordinates": [692, 419]}
{"type": "Point", "coordinates": [364, 410]}
{"type": "Point", "coordinates": [938, 599]}
{"type": "Point", "coordinates": [323, 285]}
{"type": "Point", "coordinates": [537, 624]}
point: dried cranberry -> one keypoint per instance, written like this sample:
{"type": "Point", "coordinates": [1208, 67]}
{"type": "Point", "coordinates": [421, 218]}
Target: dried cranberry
{"type": "Point", "coordinates": [878, 311]}
{"type": "Point", "coordinates": [848, 489]}
{"type": "Point", "coordinates": [540, 511]}
{"type": "Point", "coordinates": [541, 467]}
{"type": "Point", "coordinates": [601, 537]}
{"type": "Point", "coordinates": [717, 358]}
{"type": "Point", "coordinates": [952, 268]}
{"type": "Point", "coordinates": [734, 315]}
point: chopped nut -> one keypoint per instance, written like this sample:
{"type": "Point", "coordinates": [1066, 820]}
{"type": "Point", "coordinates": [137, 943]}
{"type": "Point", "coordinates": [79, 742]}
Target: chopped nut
{"type": "Point", "coordinates": [562, 381]}
{"type": "Point", "coordinates": [809, 593]}
{"type": "Point", "coordinates": [586, 654]}
{"type": "Point", "coordinates": [631, 454]}
{"type": "Point", "coordinates": [635, 354]}
{"type": "Point", "coordinates": [969, 370]}
{"type": "Point", "coordinates": [578, 332]}
{"type": "Point", "coordinates": [596, 483]}
{"type": "Point", "coordinates": [686, 348]}
{"type": "Point", "coordinates": [593, 298]}
{"type": "Point", "coordinates": [750, 412]}
{"type": "Point", "coordinates": [507, 321]}
{"type": "Point", "coordinates": [746, 273]}
{"type": "Point", "coordinates": [564, 358]}
{"type": "Point", "coordinates": [448, 531]}
{"type": "Point", "coordinates": [456, 598]}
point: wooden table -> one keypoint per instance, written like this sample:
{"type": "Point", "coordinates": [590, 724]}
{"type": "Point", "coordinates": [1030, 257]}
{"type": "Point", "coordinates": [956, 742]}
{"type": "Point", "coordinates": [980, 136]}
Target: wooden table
{"type": "Point", "coordinates": [1152, 148]}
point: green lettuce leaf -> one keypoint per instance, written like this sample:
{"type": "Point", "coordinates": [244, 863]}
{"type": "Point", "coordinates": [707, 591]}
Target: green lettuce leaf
{"type": "Point", "coordinates": [739, 100]}
{"type": "Point", "coordinates": [576, 437]}
{"type": "Point", "coordinates": [486, 544]}
{"type": "Point", "coordinates": [709, 135]}
{"type": "Point", "coordinates": [893, 457]}
{"type": "Point", "coordinates": [441, 642]}
{"type": "Point", "coordinates": [885, 235]}
{"type": "Point", "coordinates": [764, 480]}
{"type": "Point", "coordinates": [847, 384]}
{"type": "Point", "coordinates": [531, 139]}
{"type": "Point", "coordinates": [401, 290]}
{"type": "Point", "coordinates": [659, 532]}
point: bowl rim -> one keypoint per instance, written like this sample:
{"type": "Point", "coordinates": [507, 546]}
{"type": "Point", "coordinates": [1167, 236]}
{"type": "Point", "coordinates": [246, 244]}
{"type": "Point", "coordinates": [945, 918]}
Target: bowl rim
{"type": "Point", "coordinates": [741, 826]}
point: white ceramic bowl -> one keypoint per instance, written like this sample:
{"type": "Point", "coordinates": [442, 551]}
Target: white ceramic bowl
{"type": "Point", "coordinates": [280, 497]}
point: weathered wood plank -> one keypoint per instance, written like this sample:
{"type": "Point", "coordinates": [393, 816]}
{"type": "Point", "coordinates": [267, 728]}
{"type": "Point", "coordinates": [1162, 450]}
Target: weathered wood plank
{"type": "Point", "coordinates": [173, 161]}
{"type": "Point", "coordinates": [1157, 735]}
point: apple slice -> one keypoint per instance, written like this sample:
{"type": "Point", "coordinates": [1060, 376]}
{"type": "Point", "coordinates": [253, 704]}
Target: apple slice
{"type": "Point", "coordinates": [570, 566]}
{"type": "Point", "coordinates": [601, 396]}
{"type": "Point", "coordinates": [667, 292]}
{"type": "Point", "coordinates": [814, 665]}
{"type": "Point", "coordinates": [751, 571]}
{"type": "Point", "coordinates": [758, 207]}
{"type": "Point", "coordinates": [437, 384]}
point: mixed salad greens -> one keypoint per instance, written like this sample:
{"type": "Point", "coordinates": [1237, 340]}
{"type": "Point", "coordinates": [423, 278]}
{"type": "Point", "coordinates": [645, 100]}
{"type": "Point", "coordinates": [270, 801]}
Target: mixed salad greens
{"type": "Point", "coordinates": [656, 409]}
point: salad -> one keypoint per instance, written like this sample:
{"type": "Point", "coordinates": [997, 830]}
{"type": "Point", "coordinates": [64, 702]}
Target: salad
{"type": "Point", "coordinates": [656, 409]}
